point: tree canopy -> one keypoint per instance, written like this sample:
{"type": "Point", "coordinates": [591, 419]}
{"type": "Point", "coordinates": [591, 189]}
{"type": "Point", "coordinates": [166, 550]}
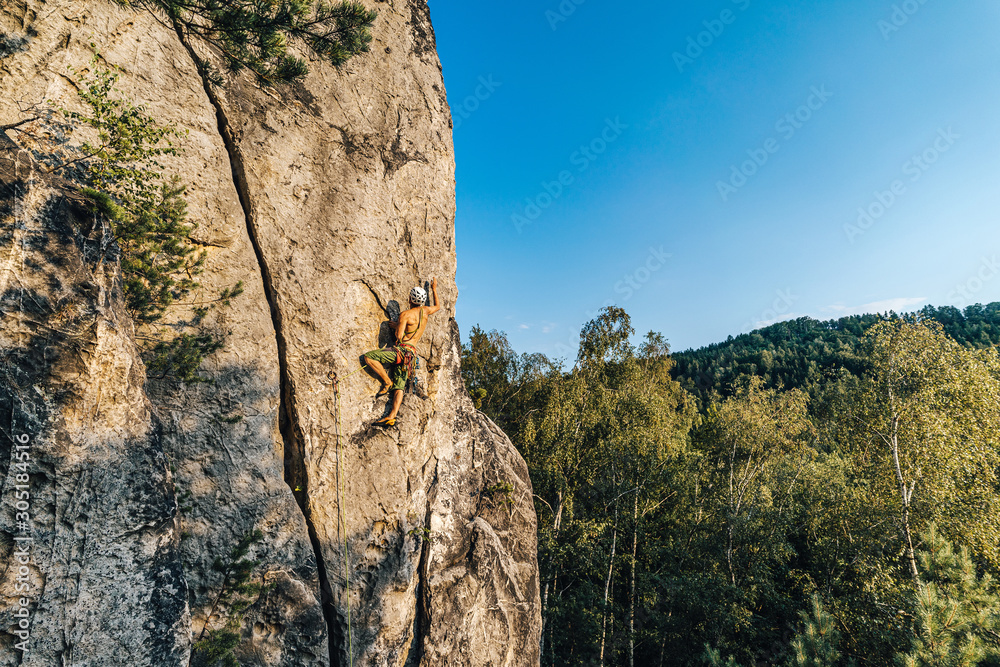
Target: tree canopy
{"type": "Point", "coordinates": [820, 494]}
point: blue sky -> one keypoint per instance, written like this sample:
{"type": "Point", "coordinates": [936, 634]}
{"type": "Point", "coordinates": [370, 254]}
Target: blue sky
{"type": "Point", "coordinates": [717, 166]}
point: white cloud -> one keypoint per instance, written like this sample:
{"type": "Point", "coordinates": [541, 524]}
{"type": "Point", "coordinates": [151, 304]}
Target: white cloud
{"type": "Point", "coordinates": [903, 304]}
{"type": "Point", "coordinates": [524, 327]}
{"type": "Point", "coordinates": [760, 324]}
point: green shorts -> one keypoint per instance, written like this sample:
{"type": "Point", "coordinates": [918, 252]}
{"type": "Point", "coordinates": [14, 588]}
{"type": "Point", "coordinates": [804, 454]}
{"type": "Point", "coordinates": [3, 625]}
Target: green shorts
{"type": "Point", "coordinates": [398, 373]}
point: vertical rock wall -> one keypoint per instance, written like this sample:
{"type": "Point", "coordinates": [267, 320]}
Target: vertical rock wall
{"type": "Point", "coordinates": [330, 199]}
{"type": "Point", "coordinates": [89, 536]}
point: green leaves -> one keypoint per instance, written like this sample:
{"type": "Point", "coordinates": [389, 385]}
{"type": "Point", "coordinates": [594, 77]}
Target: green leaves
{"type": "Point", "coordinates": [128, 141]}
{"type": "Point", "coordinates": [118, 169]}
{"type": "Point", "coordinates": [123, 179]}
{"type": "Point", "coordinates": [255, 34]}
{"type": "Point", "coordinates": [606, 338]}
{"type": "Point", "coordinates": [816, 645]}
{"type": "Point", "coordinates": [215, 647]}
{"type": "Point", "coordinates": [814, 356]}
{"type": "Point", "coordinates": [740, 520]}
{"type": "Point", "coordinates": [158, 261]}
{"type": "Point", "coordinates": [956, 612]}
{"type": "Point", "coordinates": [928, 431]}
{"type": "Point", "coordinates": [181, 357]}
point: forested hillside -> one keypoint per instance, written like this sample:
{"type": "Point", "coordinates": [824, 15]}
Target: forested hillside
{"type": "Point", "coordinates": [814, 493]}
{"type": "Point", "coordinates": [805, 352]}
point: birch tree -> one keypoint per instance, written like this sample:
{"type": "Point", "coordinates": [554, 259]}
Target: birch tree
{"type": "Point", "coordinates": [928, 418]}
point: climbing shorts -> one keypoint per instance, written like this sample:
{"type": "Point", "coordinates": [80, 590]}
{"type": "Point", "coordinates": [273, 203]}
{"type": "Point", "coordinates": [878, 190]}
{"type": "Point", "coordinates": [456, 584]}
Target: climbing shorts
{"type": "Point", "coordinates": [398, 373]}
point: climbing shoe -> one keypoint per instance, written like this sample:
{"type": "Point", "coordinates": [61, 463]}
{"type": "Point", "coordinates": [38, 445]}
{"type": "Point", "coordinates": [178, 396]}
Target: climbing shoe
{"type": "Point", "coordinates": [385, 422]}
{"type": "Point", "coordinates": [384, 390]}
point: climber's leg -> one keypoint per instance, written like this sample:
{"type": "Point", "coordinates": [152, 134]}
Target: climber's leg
{"type": "Point", "coordinates": [374, 360]}
{"type": "Point", "coordinates": [397, 400]}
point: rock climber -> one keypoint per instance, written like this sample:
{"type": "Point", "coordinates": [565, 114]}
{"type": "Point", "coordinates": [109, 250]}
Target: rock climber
{"type": "Point", "coordinates": [403, 354]}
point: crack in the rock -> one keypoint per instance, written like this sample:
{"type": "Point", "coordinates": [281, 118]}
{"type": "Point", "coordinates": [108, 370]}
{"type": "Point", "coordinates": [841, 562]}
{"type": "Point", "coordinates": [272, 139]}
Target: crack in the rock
{"type": "Point", "coordinates": [288, 422]}
{"type": "Point", "coordinates": [374, 293]}
{"type": "Point", "coordinates": [422, 617]}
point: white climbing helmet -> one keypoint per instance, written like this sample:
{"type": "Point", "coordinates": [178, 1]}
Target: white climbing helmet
{"type": "Point", "coordinates": [418, 295]}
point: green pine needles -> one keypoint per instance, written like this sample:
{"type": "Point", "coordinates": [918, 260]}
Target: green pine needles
{"type": "Point", "coordinates": [123, 178]}
{"type": "Point", "coordinates": [181, 357]}
{"type": "Point", "coordinates": [956, 611]}
{"type": "Point", "coordinates": [215, 647]}
{"type": "Point", "coordinates": [816, 644]}
{"type": "Point", "coordinates": [129, 142]}
{"type": "Point", "coordinates": [158, 261]}
{"type": "Point", "coordinates": [255, 35]}
{"type": "Point", "coordinates": [118, 169]}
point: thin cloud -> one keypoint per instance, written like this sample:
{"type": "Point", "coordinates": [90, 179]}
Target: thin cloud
{"type": "Point", "coordinates": [902, 304]}
{"type": "Point", "coordinates": [760, 324]}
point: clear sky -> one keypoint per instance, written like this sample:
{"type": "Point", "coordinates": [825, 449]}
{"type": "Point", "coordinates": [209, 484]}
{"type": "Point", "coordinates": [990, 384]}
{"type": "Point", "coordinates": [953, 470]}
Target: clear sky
{"type": "Point", "coordinates": [715, 166]}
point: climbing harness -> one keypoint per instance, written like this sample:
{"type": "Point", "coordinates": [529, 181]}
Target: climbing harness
{"type": "Point", "coordinates": [406, 356]}
{"type": "Point", "coordinates": [407, 353]}
{"type": "Point", "coordinates": [340, 503]}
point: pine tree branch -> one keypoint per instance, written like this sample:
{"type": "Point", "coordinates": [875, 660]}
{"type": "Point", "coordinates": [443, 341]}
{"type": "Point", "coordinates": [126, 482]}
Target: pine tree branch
{"type": "Point", "coordinates": [254, 36]}
{"type": "Point", "coordinates": [14, 126]}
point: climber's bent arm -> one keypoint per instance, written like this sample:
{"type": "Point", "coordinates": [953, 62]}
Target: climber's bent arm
{"type": "Point", "coordinates": [401, 328]}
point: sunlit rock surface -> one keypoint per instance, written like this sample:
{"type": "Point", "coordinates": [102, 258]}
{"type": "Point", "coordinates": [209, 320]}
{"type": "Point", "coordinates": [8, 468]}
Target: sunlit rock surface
{"type": "Point", "coordinates": [329, 199]}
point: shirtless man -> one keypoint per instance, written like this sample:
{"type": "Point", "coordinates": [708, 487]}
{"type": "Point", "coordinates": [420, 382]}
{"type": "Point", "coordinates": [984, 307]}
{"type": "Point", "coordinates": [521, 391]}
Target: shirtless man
{"type": "Point", "coordinates": [410, 328]}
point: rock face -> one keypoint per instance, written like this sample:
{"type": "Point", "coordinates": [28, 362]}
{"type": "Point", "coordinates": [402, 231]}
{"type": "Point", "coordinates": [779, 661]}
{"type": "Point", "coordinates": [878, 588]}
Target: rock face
{"type": "Point", "coordinates": [95, 544]}
{"type": "Point", "coordinates": [329, 199]}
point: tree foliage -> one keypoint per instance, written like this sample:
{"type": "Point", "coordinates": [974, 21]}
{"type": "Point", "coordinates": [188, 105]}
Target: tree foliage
{"type": "Point", "coordinates": [956, 612]}
{"type": "Point", "coordinates": [773, 526]}
{"type": "Point", "coordinates": [112, 150]}
{"type": "Point", "coordinates": [117, 166]}
{"type": "Point", "coordinates": [928, 417]}
{"type": "Point", "coordinates": [214, 647]}
{"type": "Point", "coordinates": [810, 354]}
{"type": "Point", "coordinates": [256, 35]}
{"type": "Point", "coordinates": [816, 645]}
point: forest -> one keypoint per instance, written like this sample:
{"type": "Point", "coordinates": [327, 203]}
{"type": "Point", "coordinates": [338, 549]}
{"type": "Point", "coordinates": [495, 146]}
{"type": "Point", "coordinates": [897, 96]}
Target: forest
{"type": "Point", "coordinates": [811, 493]}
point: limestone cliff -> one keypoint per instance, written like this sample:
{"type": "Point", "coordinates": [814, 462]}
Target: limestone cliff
{"type": "Point", "coordinates": [329, 199]}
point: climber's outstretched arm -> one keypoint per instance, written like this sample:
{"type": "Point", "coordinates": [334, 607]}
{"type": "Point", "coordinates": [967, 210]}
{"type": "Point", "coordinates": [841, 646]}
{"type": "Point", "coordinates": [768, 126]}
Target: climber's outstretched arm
{"type": "Point", "coordinates": [436, 306]}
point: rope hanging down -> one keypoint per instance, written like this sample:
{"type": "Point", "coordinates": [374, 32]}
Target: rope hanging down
{"type": "Point", "coordinates": [341, 515]}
